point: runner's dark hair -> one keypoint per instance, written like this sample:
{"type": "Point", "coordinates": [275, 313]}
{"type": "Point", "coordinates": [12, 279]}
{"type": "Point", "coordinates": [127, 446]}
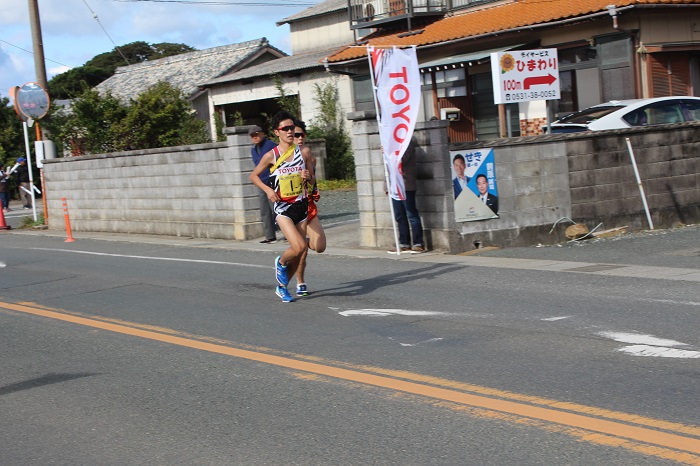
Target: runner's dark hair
{"type": "Point", "coordinates": [279, 117]}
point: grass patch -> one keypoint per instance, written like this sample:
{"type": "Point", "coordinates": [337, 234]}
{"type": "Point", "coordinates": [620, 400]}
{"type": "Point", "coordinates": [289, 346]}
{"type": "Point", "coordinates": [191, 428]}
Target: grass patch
{"type": "Point", "coordinates": [28, 222]}
{"type": "Point", "coordinates": [330, 185]}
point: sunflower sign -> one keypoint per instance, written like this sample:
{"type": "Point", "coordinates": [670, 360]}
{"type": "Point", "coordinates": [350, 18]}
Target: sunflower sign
{"type": "Point", "coordinates": [525, 75]}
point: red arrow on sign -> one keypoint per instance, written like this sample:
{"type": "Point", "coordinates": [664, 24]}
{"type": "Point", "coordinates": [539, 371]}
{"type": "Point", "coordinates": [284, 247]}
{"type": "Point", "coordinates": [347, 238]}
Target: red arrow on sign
{"type": "Point", "coordinates": [535, 80]}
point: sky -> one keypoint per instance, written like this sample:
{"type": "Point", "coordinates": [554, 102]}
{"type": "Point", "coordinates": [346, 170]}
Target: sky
{"type": "Point", "coordinates": [72, 35]}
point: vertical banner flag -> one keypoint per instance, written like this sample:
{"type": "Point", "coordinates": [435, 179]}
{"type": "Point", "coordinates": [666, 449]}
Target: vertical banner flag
{"type": "Point", "coordinates": [397, 94]}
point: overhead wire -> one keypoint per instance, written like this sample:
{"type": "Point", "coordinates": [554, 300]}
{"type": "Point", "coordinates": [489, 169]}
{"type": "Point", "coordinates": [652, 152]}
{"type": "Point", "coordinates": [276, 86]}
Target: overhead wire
{"type": "Point", "coordinates": [188, 2]}
{"type": "Point", "coordinates": [94, 15]}
{"type": "Point", "coordinates": [32, 53]}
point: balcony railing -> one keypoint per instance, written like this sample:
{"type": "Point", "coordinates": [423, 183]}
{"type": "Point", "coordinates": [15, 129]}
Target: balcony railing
{"type": "Point", "coordinates": [370, 13]}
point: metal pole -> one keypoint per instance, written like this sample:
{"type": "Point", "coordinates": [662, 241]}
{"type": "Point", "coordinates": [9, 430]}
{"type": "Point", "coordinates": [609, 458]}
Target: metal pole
{"type": "Point", "coordinates": [509, 125]}
{"type": "Point", "coordinates": [639, 183]}
{"type": "Point", "coordinates": [29, 165]}
{"type": "Point", "coordinates": [550, 116]}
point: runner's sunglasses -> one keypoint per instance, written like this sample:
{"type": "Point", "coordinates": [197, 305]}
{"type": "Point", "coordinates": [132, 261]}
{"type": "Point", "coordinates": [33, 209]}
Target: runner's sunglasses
{"type": "Point", "coordinates": [287, 128]}
{"type": "Point", "coordinates": [299, 135]}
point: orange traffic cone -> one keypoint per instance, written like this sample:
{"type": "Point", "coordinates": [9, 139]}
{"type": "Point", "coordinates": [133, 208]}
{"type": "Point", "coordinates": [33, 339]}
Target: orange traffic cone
{"type": "Point", "coordinates": [70, 238]}
{"type": "Point", "coordinates": [3, 225]}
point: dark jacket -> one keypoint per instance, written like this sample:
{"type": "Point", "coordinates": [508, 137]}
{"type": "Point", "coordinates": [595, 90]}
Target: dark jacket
{"type": "Point", "coordinates": [4, 182]}
{"type": "Point", "coordinates": [258, 151]}
{"type": "Point", "coordinates": [22, 174]}
{"type": "Point", "coordinates": [408, 167]}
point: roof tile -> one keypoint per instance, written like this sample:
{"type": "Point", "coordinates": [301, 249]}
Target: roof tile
{"type": "Point", "coordinates": [496, 18]}
{"type": "Point", "coordinates": [185, 71]}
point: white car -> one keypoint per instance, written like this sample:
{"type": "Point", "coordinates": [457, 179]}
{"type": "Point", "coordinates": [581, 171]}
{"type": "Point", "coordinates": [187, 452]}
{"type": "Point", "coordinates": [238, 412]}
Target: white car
{"type": "Point", "coordinates": [620, 114]}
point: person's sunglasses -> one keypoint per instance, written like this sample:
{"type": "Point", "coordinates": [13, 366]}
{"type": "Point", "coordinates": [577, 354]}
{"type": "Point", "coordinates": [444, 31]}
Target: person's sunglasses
{"type": "Point", "coordinates": [299, 135]}
{"type": "Point", "coordinates": [287, 128]}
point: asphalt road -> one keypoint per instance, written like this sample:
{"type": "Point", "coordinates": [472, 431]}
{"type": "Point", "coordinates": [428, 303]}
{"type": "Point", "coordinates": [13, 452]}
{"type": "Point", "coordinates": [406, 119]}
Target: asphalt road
{"type": "Point", "coordinates": [163, 352]}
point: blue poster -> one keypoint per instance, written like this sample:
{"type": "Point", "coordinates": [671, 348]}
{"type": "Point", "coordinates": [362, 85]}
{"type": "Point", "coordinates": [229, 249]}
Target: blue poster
{"type": "Point", "coordinates": [474, 184]}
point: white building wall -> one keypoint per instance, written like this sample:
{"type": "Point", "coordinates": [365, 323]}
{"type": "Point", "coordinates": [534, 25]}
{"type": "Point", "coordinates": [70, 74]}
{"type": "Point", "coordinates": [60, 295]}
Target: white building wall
{"type": "Point", "coordinates": [321, 33]}
{"type": "Point", "coordinates": [303, 86]}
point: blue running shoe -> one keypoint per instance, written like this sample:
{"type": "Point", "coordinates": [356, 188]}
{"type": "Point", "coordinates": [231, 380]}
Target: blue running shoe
{"type": "Point", "coordinates": [282, 292]}
{"type": "Point", "coordinates": [301, 290]}
{"type": "Point", "coordinates": [281, 272]}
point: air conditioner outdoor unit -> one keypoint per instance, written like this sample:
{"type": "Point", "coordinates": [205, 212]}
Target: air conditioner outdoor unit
{"type": "Point", "coordinates": [371, 9]}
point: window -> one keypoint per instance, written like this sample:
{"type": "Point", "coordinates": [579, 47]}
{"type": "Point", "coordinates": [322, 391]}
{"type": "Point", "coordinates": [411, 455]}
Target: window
{"type": "Point", "coordinates": [662, 113]}
{"type": "Point", "coordinates": [362, 91]}
{"type": "Point", "coordinates": [691, 110]}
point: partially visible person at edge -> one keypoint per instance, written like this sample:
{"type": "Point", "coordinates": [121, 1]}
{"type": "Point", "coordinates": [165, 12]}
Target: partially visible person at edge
{"type": "Point", "coordinates": [261, 146]}
{"type": "Point", "coordinates": [4, 190]}
{"type": "Point", "coordinates": [315, 236]}
{"type": "Point", "coordinates": [405, 211]}
{"type": "Point", "coordinates": [22, 173]}
{"type": "Point", "coordinates": [460, 181]}
{"type": "Point", "coordinates": [289, 175]}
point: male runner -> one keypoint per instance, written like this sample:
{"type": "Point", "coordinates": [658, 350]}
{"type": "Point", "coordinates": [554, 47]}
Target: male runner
{"type": "Point", "coordinates": [314, 230]}
{"type": "Point", "coordinates": [287, 190]}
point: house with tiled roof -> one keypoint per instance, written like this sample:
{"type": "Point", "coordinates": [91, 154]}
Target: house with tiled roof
{"type": "Point", "coordinates": [188, 70]}
{"type": "Point", "coordinates": [251, 93]}
{"type": "Point", "coordinates": [607, 49]}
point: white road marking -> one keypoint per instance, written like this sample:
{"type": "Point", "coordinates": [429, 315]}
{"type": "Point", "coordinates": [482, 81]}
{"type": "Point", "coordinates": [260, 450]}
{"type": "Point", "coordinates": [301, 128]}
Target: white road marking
{"type": "Point", "coordinates": [640, 339]}
{"type": "Point", "coordinates": [420, 342]}
{"type": "Point", "coordinates": [2, 264]}
{"type": "Point", "coordinates": [650, 346]}
{"type": "Point", "coordinates": [552, 319]}
{"type": "Point", "coordinates": [659, 352]}
{"type": "Point", "coordinates": [155, 258]}
{"type": "Point", "coordinates": [671, 301]}
{"type": "Point", "coordinates": [389, 312]}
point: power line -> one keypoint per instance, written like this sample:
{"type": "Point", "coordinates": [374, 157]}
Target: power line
{"type": "Point", "coordinates": [94, 15]}
{"type": "Point", "coordinates": [206, 2]}
{"type": "Point", "coordinates": [32, 53]}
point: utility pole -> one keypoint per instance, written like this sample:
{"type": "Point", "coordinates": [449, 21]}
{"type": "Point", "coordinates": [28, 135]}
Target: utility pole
{"type": "Point", "coordinates": [39, 63]}
{"type": "Point", "coordinates": [40, 71]}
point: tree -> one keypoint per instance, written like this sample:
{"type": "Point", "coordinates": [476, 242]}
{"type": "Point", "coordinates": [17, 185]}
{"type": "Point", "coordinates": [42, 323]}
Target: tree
{"type": "Point", "coordinates": [160, 117]}
{"type": "Point", "coordinates": [73, 82]}
{"type": "Point", "coordinates": [329, 126]}
{"type": "Point", "coordinates": [11, 134]}
{"type": "Point", "coordinates": [288, 103]}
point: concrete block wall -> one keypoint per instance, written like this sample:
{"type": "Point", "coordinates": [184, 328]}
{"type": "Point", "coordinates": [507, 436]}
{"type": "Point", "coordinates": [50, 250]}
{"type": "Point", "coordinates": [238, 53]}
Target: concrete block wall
{"type": "Point", "coordinates": [199, 191]}
{"type": "Point", "coordinates": [376, 225]}
{"type": "Point", "coordinates": [604, 187]}
{"type": "Point", "coordinates": [585, 177]}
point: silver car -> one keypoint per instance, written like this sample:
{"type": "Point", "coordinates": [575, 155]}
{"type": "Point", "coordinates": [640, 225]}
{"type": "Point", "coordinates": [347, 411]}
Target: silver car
{"type": "Point", "coordinates": [620, 114]}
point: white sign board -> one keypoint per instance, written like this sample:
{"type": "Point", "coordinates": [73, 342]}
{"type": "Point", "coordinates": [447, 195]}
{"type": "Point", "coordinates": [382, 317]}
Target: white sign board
{"type": "Point", "coordinates": [525, 75]}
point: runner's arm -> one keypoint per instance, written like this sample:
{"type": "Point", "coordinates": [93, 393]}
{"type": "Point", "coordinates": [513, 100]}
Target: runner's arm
{"type": "Point", "coordinates": [309, 174]}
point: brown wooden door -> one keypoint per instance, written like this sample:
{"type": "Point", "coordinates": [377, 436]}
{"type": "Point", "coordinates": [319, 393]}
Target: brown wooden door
{"type": "Point", "coordinates": [463, 129]}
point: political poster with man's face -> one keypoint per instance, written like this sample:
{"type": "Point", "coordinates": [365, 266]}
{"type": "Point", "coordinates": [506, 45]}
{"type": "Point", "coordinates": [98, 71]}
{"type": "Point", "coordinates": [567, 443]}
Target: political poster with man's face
{"type": "Point", "coordinates": [474, 184]}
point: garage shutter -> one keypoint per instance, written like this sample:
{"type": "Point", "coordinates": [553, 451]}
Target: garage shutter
{"type": "Point", "coordinates": [670, 74]}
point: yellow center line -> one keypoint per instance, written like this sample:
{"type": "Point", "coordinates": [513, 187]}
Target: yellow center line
{"type": "Point", "coordinates": [670, 440]}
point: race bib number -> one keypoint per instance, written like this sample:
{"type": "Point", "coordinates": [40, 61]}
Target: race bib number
{"type": "Point", "coordinates": [290, 185]}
